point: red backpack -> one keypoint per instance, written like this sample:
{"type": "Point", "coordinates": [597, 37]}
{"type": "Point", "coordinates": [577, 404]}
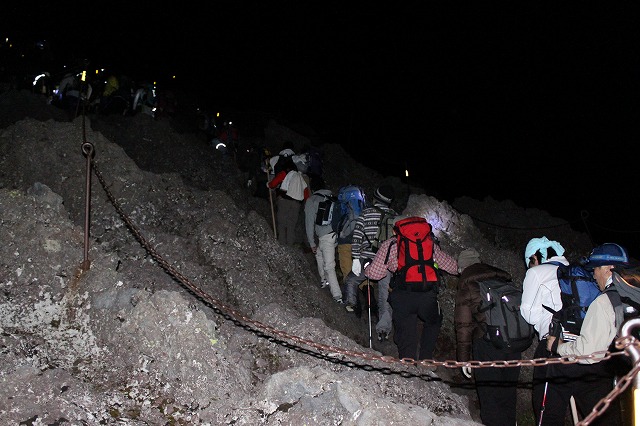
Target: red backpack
{"type": "Point", "coordinates": [416, 268]}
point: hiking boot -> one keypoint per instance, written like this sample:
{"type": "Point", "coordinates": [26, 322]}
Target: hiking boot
{"type": "Point", "coordinates": [350, 308]}
{"type": "Point", "coordinates": [324, 284]}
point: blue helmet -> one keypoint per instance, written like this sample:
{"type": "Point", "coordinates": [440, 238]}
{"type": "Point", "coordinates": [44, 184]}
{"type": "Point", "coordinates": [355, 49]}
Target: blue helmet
{"type": "Point", "coordinates": [607, 254]}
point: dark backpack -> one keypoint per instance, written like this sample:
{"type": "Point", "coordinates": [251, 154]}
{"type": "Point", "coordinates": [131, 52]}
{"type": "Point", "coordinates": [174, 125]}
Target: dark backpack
{"type": "Point", "coordinates": [314, 162]}
{"type": "Point", "coordinates": [285, 162]}
{"type": "Point", "coordinates": [351, 202]}
{"type": "Point", "coordinates": [326, 208]}
{"type": "Point", "coordinates": [507, 330]}
{"type": "Point", "coordinates": [416, 267]}
{"type": "Point", "coordinates": [623, 307]}
{"type": "Point", "coordinates": [385, 228]}
{"type": "Point", "coordinates": [578, 289]}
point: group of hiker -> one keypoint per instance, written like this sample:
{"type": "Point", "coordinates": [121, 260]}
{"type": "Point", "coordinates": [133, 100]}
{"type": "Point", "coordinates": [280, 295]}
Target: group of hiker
{"type": "Point", "coordinates": [406, 264]}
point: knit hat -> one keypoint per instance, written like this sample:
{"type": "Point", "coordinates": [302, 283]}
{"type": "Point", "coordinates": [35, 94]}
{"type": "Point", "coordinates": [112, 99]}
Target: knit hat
{"type": "Point", "coordinates": [467, 258]}
{"type": "Point", "coordinates": [384, 193]}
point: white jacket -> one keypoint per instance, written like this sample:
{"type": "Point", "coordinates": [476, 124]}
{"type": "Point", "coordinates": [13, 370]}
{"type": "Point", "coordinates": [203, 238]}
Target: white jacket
{"type": "Point", "coordinates": [540, 287]}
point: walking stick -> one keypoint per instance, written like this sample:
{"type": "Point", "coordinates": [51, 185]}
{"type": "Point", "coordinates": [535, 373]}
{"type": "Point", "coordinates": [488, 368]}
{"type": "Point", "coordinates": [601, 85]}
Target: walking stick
{"type": "Point", "coordinates": [273, 215]}
{"type": "Point", "coordinates": [574, 411]}
{"type": "Point", "coordinates": [369, 306]}
{"type": "Point", "coordinates": [544, 402]}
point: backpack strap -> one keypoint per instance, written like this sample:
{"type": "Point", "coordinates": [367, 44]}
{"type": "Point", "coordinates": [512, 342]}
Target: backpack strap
{"type": "Point", "coordinates": [386, 259]}
{"type": "Point", "coordinates": [616, 302]}
{"type": "Point", "coordinates": [381, 214]}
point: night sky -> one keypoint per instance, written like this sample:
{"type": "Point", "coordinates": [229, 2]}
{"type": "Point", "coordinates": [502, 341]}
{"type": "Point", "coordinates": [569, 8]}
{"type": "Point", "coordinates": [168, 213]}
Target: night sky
{"type": "Point", "coordinates": [517, 101]}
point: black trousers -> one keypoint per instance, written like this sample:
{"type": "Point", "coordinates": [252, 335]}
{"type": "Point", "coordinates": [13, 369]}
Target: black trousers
{"type": "Point", "coordinates": [407, 307]}
{"type": "Point", "coordinates": [496, 387]}
{"type": "Point", "coordinates": [588, 384]}
{"type": "Point", "coordinates": [539, 379]}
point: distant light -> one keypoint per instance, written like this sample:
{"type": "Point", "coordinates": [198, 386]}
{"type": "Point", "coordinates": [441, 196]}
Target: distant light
{"type": "Point", "coordinates": [217, 114]}
{"type": "Point", "coordinates": [173, 77]}
{"type": "Point", "coordinates": [406, 172]}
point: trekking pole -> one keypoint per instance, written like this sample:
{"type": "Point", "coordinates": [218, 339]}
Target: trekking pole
{"type": "Point", "coordinates": [369, 306]}
{"type": "Point", "coordinates": [273, 215]}
{"type": "Point", "coordinates": [544, 401]}
{"type": "Point", "coordinates": [574, 411]}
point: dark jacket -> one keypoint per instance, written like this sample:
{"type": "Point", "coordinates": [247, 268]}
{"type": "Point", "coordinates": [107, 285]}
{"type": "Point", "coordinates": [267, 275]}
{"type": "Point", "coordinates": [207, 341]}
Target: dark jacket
{"type": "Point", "coordinates": [469, 323]}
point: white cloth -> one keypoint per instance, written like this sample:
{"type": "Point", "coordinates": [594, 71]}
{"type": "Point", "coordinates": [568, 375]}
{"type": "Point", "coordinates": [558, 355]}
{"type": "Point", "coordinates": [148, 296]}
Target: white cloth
{"type": "Point", "coordinates": [356, 267]}
{"type": "Point", "coordinates": [294, 185]}
{"type": "Point", "coordinates": [301, 162]}
{"type": "Point", "coordinates": [273, 161]}
{"type": "Point", "coordinates": [541, 244]}
{"type": "Point", "coordinates": [540, 287]}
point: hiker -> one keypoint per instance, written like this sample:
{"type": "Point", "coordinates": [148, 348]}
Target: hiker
{"type": "Point", "coordinates": [229, 136]}
{"type": "Point", "coordinates": [364, 232]}
{"type": "Point", "coordinates": [352, 201]}
{"type": "Point", "coordinates": [283, 159]}
{"type": "Point", "coordinates": [410, 304]}
{"type": "Point", "coordinates": [589, 380]}
{"type": "Point", "coordinates": [67, 95]}
{"type": "Point", "coordinates": [292, 190]}
{"type": "Point", "coordinates": [541, 288]}
{"type": "Point", "coordinates": [496, 387]}
{"type": "Point", "coordinates": [325, 250]}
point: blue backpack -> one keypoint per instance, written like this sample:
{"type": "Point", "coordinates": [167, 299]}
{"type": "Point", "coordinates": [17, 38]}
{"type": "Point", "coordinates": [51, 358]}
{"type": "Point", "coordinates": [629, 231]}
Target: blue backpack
{"type": "Point", "coordinates": [351, 202]}
{"type": "Point", "coordinates": [578, 289]}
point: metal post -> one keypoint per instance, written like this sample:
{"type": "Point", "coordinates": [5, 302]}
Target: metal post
{"type": "Point", "coordinates": [369, 305]}
{"type": "Point", "coordinates": [634, 352]}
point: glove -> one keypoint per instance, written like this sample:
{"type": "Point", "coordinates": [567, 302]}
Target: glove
{"type": "Point", "coordinates": [466, 372]}
{"type": "Point", "coordinates": [356, 268]}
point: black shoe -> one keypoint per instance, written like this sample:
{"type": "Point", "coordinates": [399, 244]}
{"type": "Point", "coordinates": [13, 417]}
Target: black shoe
{"type": "Point", "coordinates": [383, 336]}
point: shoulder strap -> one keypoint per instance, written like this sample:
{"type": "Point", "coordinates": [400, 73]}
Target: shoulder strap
{"type": "Point", "coordinates": [616, 302]}
{"type": "Point", "coordinates": [386, 259]}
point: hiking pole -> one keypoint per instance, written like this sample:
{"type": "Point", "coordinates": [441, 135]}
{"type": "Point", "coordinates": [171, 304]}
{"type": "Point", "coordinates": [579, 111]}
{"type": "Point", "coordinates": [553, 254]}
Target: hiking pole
{"type": "Point", "coordinates": [544, 402]}
{"type": "Point", "coordinates": [273, 215]}
{"type": "Point", "coordinates": [574, 411]}
{"type": "Point", "coordinates": [369, 306]}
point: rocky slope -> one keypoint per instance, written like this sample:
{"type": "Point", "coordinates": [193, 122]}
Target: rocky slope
{"type": "Point", "coordinates": [163, 298]}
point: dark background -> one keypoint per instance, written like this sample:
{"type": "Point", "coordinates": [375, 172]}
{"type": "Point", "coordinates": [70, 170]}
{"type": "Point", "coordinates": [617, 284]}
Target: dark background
{"type": "Point", "coordinates": [537, 103]}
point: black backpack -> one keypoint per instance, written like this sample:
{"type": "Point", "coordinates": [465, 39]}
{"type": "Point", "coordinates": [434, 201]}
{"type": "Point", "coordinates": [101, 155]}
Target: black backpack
{"type": "Point", "coordinates": [506, 329]}
{"type": "Point", "coordinates": [326, 209]}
